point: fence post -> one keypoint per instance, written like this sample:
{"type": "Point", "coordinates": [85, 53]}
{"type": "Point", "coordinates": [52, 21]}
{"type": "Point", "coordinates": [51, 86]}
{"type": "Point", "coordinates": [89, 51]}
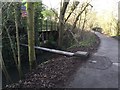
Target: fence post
{"type": "Point", "coordinates": [46, 25]}
{"type": "Point", "coordinates": [51, 26]}
{"type": "Point", "coordinates": [46, 33]}
{"type": "Point", "coordinates": [42, 38]}
{"type": "Point", "coordinates": [41, 24]}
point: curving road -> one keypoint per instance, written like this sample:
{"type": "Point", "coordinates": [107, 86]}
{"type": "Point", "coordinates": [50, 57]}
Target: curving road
{"type": "Point", "coordinates": [101, 70]}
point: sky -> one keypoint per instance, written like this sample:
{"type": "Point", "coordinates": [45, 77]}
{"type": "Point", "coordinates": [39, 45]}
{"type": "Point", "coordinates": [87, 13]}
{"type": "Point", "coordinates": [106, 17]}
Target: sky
{"type": "Point", "coordinates": [100, 6]}
{"type": "Point", "coordinates": [51, 3]}
{"type": "Point", "coordinates": [106, 7]}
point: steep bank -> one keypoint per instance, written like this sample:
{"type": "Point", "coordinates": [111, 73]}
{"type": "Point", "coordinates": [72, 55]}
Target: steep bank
{"type": "Point", "coordinates": [55, 72]}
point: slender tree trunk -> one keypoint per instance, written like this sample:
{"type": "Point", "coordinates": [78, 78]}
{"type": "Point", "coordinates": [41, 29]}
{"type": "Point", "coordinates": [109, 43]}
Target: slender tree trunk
{"type": "Point", "coordinates": [75, 4]}
{"type": "Point", "coordinates": [61, 21]}
{"type": "Point", "coordinates": [77, 18]}
{"type": "Point", "coordinates": [5, 72]}
{"type": "Point", "coordinates": [83, 26]}
{"type": "Point", "coordinates": [12, 47]}
{"type": "Point", "coordinates": [80, 22]}
{"type": "Point", "coordinates": [17, 16]}
{"type": "Point", "coordinates": [4, 69]}
{"type": "Point", "coordinates": [30, 29]}
{"type": "Point", "coordinates": [79, 25]}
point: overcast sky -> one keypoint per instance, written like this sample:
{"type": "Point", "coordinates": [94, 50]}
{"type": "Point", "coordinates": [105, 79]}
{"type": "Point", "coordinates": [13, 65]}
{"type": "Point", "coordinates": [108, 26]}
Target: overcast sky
{"type": "Point", "coordinates": [98, 5]}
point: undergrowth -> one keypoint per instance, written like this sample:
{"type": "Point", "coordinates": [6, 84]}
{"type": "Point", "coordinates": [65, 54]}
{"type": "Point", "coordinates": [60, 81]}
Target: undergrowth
{"type": "Point", "coordinates": [88, 40]}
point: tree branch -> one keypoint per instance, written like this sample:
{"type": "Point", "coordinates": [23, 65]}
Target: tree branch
{"type": "Point", "coordinates": [77, 18]}
{"type": "Point", "coordinates": [72, 9]}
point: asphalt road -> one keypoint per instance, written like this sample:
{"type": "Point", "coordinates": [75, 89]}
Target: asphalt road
{"type": "Point", "coordinates": [100, 71]}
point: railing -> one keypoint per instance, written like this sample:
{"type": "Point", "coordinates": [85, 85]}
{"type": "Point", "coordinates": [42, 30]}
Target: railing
{"type": "Point", "coordinates": [48, 29]}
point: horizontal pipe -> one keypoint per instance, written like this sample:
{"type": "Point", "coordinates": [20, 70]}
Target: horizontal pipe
{"type": "Point", "coordinates": [52, 50]}
{"type": "Point", "coordinates": [78, 53]}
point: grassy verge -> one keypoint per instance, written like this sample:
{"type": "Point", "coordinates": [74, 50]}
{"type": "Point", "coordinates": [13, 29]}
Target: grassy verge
{"type": "Point", "coordinates": [89, 43]}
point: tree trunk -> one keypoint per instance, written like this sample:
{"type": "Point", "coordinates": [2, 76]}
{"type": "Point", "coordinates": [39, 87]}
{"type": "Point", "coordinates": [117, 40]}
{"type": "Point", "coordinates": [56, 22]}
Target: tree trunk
{"type": "Point", "coordinates": [83, 26]}
{"type": "Point", "coordinates": [4, 69]}
{"type": "Point", "coordinates": [30, 29]}
{"type": "Point", "coordinates": [61, 21]}
{"type": "Point", "coordinates": [12, 46]}
{"type": "Point", "coordinates": [17, 23]}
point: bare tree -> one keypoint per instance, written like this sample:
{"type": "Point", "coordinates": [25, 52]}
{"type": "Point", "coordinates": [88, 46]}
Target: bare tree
{"type": "Point", "coordinates": [30, 29]}
{"type": "Point", "coordinates": [62, 23]}
{"type": "Point", "coordinates": [17, 23]}
{"type": "Point", "coordinates": [77, 18]}
{"type": "Point", "coordinates": [73, 7]}
{"type": "Point", "coordinates": [63, 7]}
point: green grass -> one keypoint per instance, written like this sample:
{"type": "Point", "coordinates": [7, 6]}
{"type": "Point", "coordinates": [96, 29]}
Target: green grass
{"type": "Point", "coordinates": [88, 41]}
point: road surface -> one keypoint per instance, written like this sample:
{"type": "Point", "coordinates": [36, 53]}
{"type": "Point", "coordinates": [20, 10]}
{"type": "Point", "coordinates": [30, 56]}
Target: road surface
{"type": "Point", "coordinates": [101, 70]}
